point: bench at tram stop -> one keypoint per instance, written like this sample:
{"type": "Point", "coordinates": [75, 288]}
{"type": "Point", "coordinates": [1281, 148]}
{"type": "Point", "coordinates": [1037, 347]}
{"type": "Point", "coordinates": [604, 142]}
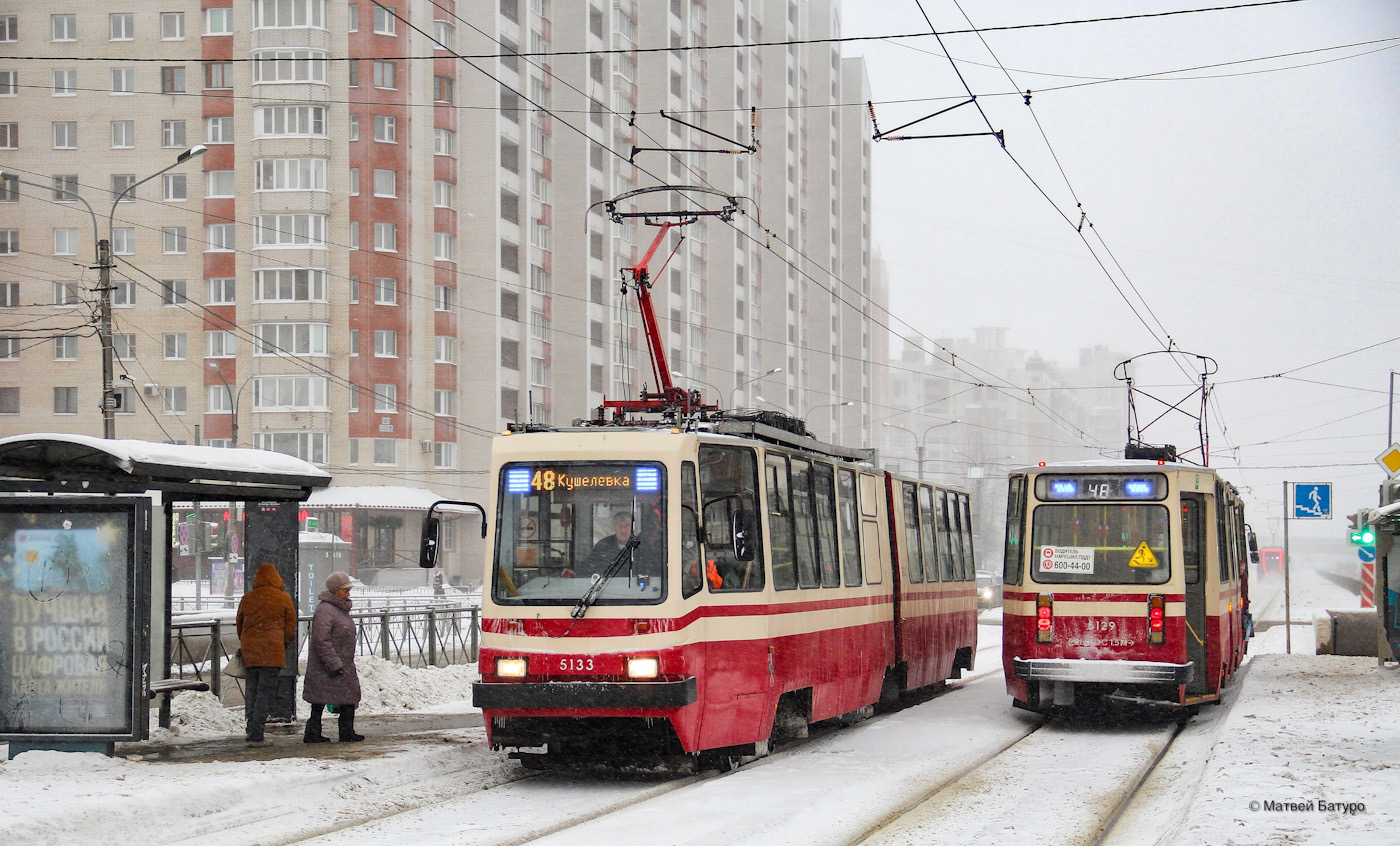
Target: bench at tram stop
{"type": "Point", "coordinates": [169, 687]}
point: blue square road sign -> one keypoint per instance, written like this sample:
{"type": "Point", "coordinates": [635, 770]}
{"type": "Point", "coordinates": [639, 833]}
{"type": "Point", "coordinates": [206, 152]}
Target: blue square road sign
{"type": "Point", "coordinates": [1312, 501]}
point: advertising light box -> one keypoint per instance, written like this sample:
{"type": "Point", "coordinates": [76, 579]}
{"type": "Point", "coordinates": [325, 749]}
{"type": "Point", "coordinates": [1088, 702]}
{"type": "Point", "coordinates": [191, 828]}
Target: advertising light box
{"type": "Point", "coordinates": [72, 632]}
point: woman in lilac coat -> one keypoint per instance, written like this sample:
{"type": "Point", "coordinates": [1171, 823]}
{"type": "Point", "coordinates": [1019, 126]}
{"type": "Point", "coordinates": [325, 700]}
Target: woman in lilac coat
{"type": "Point", "coordinates": [330, 665]}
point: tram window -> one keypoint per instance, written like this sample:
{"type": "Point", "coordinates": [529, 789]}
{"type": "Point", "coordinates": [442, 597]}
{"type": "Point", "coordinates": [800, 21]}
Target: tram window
{"type": "Point", "coordinates": [690, 540]}
{"type": "Point", "coordinates": [947, 544]}
{"type": "Point", "coordinates": [913, 546]}
{"type": "Point", "coordinates": [849, 526]}
{"type": "Point", "coordinates": [1091, 543]}
{"type": "Point", "coordinates": [928, 528]}
{"type": "Point", "coordinates": [805, 536]}
{"type": "Point", "coordinates": [1222, 537]}
{"type": "Point", "coordinates": [969, 554]}
{"type": "Point", "coordinates": [729, 491]}
{"type": "Point", "coordinates": [1015, 519]}
{"type": "Point", "coordinates": [1193, 535]}
{"type": "Point", "coordinates": [871, 491]}
{"type": "Point", "coordinates": [824, 500]}
{"type": "Point", "coordinates": [775, 468]}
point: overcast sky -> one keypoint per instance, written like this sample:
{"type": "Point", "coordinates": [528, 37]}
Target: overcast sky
{"type": "Point", "coordinates": [1254, 205]}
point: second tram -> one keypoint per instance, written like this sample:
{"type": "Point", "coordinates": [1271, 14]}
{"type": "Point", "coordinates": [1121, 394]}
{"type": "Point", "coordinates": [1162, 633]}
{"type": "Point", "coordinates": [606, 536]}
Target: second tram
{"type": "Point", "coordinates": [1124, 580]}
{"type": "Point", "coordinates": [656, 591]}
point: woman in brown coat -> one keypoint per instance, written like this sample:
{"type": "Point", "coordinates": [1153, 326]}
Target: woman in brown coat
{"type": "Point", "coordinates": [330, 663]}
{"type": "Point", "coordinates": [267, 625]}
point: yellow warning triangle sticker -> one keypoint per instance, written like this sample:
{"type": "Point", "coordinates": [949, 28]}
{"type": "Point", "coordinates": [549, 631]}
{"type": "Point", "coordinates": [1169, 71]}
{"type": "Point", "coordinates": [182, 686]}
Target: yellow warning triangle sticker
{"type": "Point", "coordinates": [1143, 557]}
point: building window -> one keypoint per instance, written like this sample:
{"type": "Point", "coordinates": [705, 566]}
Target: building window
{"type": "Point", "coordinates": [354, 67]}
{"type": "Point", "coordinates": [172, 133]}
{"type": "Point", "coordinates": [386, 451]}
{"type": "Point", "coordinates": [510, 354]}
{"type": "Point", "coordinates": [444, 247]}
{"type": "Point", "coordinates": [220, 344]}
{"type": "Point", "coordinates": [308, 446]}
{"type": "Point", "coordinates": [445, 35]}
{"type": "Point", "coordinates": [9, 83]}
{"type": "Point", "coordinates": [65, 348]}
{"type": "Point", "coordinates": [277, 121]}
{"type": "Point", "coordinates": [65, 83]}
{"type": "Point", "coordinates": [385, 74]}
{"type": "Point", "coordinates": [444, 455]}
{"type": "Point", "coordinates": [9, 295]}
{"type": "Point", "coordinates": [124, 240]}
{"type": "Point", "coordinates": [9, 136]}
{"type": "Point", "coordinates": [176, 187]}
{"type": "Point", "coordinates": [218, 238]}
{"type": "Point", "coordinates": [289, 14]}
{"type": "Point", "coordinates": [9, 28]}
{"type": "Point", "coordinates": [123, 81]}
{"type": "Point", "coordinates": [289, 338]}
{"type": "Point", "coordinates": [444, 349]}
{"type": "Point", "coordinates": [354, 351]}
{"type": "Point", "coordinates": [123, 134]}
{"type": "Point", "coordinates": [298, 174]}
{"type": "Point", "coordinates": [65, 135]}
{"type": "Point", "coordinates": [444, 298]}
{"type": "Point", "coordinates": [173, 400]}
{"type": "Point", "coordinates": [9, 242]}
{"type": "Point", "coordinates": [386, 343]}
{"type": "Point", "coordinates": [384, 21]}
{"type": "Point", "coordinates": [218, 74]}
{"type": "Point", "coordinates": [289, 230]}
{"type": "Point", "coordinates": [219, 183]}
{"type": "Point", "coordinates": [172, 292]}
{"type": "Point", "coordinates": [175, 345]}
{"type": "Point", "coordinates": [173, 239]}
{"type": "Point", "coordinates": [65, 27]}
{"type": "Point", "coordinates": [386, 237]}
{"type": "Point", "coordinates": [223, 290]}
{"type": "Point", "coordinates": [444, 194]}
{"type": "Point", "coordinates": [65, 242]}
{"type": "Point", "coordinates": [386, 399]}
{"type": "Point", "coordinates": [124, 346]}
{"type": "Point", "coordinates": [385, 182]}
{"type": "Point", "coordinates": [510, 257]}
{"type": "Point", "coordinates": [9, 349]}
{"type": "Point", "coordinates": [172, 26]}
{"type": "Point", "coordinates": [444, 89]}
{"type": "Point", "coordinates": [65, 400]}
{"type": "Point", "coordinates": [445, 402]}
{"type": "Point", "coordinates": [9, 400]}
{"type": "Point", "coordinates": [291, 284]}
{"type": "Point", "coordinates": [172, 79]}
{"type": "Point", "coordinates": [67, 293]}
{"type": "Point", "coordinates": [444, 142]}
{"type": "Point", "coordinates": [294, 66]}
{"type": "Point", "coordinates": [218, 130]}
{"type": "Point", "coordinates": [386, 290]}
{"type": "Point", "coordinates": [290, 393]}
{"type": "Point", "coordinates": [65, 188]}
{"type": "Point", "coordinates": [354, 127]}
{"type": "Point", "coordinates": [385, 129]}
{"type": "Point", "coordinates": [218, 21]}
{"type": "Point", "coordinates": [123, 293]}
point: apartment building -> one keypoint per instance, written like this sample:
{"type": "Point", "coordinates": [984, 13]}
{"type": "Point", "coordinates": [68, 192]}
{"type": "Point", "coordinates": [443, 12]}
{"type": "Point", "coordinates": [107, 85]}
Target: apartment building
{"type": "Point", "coordinates": [391, 244]}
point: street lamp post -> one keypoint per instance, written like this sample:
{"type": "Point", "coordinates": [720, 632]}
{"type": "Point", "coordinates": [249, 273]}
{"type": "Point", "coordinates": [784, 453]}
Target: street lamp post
{"type": "Point", "coordinates": [233, 399]}
{"type": "Point", "coordinates": [104, 279]}
{"type": "Point", "coordinates": [676, 374]}
{"type": "Point", "coordinates": [810, 411]}
{"type": "Point", "coordinates": [919, 439]}
{"type": "Point", "coordinates": [734, 393]}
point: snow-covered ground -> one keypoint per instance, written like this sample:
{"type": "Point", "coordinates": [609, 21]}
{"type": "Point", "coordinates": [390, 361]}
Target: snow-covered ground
{"type": "Point", "coordinates": [1301, 732]}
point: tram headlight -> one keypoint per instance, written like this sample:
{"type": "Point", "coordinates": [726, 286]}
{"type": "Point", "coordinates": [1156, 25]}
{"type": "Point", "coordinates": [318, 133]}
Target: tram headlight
{"type": "Point", "coordinates": [643, 668]}
{"type": "Point", "coordinates": [511, 668]}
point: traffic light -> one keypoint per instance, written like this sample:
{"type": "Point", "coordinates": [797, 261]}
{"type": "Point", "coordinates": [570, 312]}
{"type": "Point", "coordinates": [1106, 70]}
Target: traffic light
{"type": "Point", "coordinates": [1361, 533]}
{"type": "Point", "coordinates": [215, 543]}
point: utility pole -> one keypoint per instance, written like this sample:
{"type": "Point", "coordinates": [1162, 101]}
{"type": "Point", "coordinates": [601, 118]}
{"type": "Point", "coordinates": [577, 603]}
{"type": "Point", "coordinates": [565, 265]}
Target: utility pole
{"type": "Point", "coordinates": [104, 334]}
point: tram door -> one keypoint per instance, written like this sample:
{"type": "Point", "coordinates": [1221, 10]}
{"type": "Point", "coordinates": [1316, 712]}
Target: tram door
{"type": "Point", "coordinates": [1193, 554]}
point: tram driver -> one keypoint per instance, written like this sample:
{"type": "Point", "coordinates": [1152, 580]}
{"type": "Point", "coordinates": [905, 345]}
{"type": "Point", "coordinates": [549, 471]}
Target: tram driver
{"type": "Point", "coordinates": [605, 551]}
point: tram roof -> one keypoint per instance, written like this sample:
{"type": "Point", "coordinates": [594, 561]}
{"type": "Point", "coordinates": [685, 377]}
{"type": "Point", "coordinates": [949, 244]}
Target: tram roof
{"type": "Point", "coordinates": [1114, 465]}
{"type": "Point", "coordinates": [61, 463]}
{"type": "Point", "coordinates": [740, 429]}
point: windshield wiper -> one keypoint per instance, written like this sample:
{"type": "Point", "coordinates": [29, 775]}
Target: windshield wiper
{"type": "Point", "coordinates": [599, 579]}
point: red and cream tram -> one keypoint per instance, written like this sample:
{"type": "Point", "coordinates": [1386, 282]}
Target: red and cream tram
{"type": "Point", "coordinates": [1125, 580]}
{"type": "Point", "coordinates": [656, 591]}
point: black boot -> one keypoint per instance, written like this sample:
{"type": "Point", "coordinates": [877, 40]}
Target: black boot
{"type": "Point", "coordinates": [346, 715]}
{"type": "Point", "coordinates": [313, 726]}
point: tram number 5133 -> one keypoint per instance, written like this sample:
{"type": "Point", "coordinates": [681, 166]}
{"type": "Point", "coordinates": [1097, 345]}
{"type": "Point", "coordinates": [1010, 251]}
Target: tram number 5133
{"type": "Point", "coordinates": [576, 665]}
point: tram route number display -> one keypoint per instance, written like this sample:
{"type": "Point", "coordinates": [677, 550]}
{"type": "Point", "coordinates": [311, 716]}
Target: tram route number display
{"type": "Point", "coordinates": [1067, 559]}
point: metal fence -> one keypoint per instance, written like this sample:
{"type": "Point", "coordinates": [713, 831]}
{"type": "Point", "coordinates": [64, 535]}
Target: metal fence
{"type": "Point", "coordinates": [420, 637]}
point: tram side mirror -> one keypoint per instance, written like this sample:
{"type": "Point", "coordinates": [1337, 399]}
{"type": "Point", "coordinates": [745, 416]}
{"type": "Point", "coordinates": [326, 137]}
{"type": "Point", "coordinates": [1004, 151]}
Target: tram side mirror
{"type": "Point", "coordinates": [1253, 548]}
{"type": "Point", "coordinates": [428, 548]}
{"type": "Point", "coordinates": [742, 526]}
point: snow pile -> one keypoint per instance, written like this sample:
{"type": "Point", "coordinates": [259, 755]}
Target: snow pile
{"type": "Point", "coordinates": [387, 687]}
{"type": "Point", "coordinates": [196, 716]}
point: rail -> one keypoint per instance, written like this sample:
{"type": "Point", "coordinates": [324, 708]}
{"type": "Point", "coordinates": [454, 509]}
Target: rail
{"type": "Point", "coordinates": [432, 636]}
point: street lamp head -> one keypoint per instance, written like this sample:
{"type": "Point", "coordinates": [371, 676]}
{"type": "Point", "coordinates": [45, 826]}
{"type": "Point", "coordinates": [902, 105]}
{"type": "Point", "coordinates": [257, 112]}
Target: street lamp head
{"type": "Point", "coordinates": [5, 174]}
{"type": "Point", "coordinates": [196, 150]}
{"type": "Point", "coordinates": [774, 370]}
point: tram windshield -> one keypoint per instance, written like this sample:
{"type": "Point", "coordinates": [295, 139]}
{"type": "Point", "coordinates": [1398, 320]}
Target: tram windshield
{"type": "Point", "coordinates": [562, 524]}
{"type": "Point", "coordinates": [1102, 544]}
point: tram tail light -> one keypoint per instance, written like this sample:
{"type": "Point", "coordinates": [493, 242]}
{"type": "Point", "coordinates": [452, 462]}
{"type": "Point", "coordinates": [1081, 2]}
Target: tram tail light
{"type": "Point", "coordinates": [1044, 618]}
{"type": "Point", "coordinates": [1156, 619]}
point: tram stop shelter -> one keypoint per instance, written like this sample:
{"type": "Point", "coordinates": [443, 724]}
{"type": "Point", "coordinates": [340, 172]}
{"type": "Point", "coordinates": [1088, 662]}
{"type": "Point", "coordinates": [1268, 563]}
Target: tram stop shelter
{"type": "Point", "coordinates": [87, 527]}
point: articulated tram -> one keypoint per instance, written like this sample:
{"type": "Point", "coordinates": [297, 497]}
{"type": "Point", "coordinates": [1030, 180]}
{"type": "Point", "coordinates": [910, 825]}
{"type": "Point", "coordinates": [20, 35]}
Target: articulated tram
{"type": "Point", "coordinates": [1124, 580]}
{"type": "Point", "coordinates": [703, 591]}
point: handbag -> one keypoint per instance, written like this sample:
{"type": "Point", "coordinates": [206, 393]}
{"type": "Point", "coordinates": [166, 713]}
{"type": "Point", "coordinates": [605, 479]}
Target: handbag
{"type": "Point", "coordinates": [234, 667]}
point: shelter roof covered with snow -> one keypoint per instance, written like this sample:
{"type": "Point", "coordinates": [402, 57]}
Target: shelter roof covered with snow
{"type": "Point", "coordinates": [373, 496]}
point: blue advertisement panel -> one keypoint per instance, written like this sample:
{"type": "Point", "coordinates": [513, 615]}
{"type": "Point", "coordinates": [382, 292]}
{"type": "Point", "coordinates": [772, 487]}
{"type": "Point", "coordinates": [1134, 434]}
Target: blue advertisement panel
{"type": "Point", "coordinates": [71, 576]}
